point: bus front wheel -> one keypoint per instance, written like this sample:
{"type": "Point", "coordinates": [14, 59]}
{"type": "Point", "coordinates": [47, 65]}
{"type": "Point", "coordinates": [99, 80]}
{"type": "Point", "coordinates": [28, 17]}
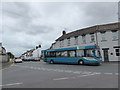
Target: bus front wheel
{"type": "Point", "coordinates": [51, 62]}
{"type": "Point", "coordinates": [81, 62]}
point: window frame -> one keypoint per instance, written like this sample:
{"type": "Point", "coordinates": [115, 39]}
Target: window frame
{"type": "Point", "coordinates": [103, 38]}
{"type": "Point", "coordinates": [117, 52]}
{"type": "Point", "coordinates": [68, 41]}
{"type": "Point", "coordinates": [84, 39]}
{"type": "Point", "coordinates": [92, 35]}
{"type": "Point", "coordinates": [114, 35]}
{"type": "Point", "coordinates": [76, 40]}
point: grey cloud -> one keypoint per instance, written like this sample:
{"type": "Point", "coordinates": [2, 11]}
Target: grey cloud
{"type": "Point", "coordinates": [102, 12]}
{"type": "Point", "coordinates": [40, 29]}
{"type": "Point", "coordinates": [22, 14]}
{"type": "Point", "coordinates": [15, 10]}
{"type": "Point", "coordinates": [26, 24]}
{"type": "Point", "coordinates": [29, 29]}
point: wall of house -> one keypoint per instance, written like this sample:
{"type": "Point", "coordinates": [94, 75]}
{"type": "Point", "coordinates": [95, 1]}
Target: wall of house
{"type": "Point", "coordinates": [119, 42]}
{"type": "Point", "coordinates": [109, 43]}
{"type": "Point", "coordinates": [3, 55]}
{"type": "Point", "coordinates": [36, 53]}
{"type": "Point", "coordinates": [4, 58]}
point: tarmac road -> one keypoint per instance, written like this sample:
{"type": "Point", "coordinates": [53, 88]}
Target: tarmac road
{"type": "Point", "coordinates": [43, 75]}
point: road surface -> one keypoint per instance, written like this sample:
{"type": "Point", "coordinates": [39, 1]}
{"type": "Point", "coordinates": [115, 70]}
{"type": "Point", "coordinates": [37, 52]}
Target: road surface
{"type": "Point", "coordinates": [43, 75]}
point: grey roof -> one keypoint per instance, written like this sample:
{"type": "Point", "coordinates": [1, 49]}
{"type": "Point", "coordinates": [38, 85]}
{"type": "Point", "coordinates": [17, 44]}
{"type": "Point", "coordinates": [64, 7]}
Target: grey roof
{"type": "Point", "coordinates": [105, 27]}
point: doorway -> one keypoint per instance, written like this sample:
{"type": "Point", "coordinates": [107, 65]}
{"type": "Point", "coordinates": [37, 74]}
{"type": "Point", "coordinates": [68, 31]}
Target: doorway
{"type": "Point", "coordinates": [105, 54]}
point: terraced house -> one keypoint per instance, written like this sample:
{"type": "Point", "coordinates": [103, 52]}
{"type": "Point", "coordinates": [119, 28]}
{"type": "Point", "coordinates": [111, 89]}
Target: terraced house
{"type": "Point", "coordinates": [3, 54]}
{"type": "Point", "coordinates": [105, 36]}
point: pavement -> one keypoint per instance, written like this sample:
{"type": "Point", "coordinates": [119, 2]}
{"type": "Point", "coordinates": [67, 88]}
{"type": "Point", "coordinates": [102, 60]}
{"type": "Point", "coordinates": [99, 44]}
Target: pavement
{"type": "Point", "coordinates": [5, 65]}
{"type": "Point", "coordinates": [44, 75]}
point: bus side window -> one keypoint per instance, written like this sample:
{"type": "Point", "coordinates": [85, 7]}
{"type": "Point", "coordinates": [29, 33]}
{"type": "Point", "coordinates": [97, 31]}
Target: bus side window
{"type": "Point", "coordinates": [72, 53]}
{"type": "Point", "coordinates": [64, 54]}
{"type": "Point", "coordinates": [89, 53]}
{"type": "Point", "coordinates": [80, 53]}
{"type": "Point", "coordinates": [58, 54]}
{"type": "Point", "coordinates": [52, 54]}
{"type": "Point", "coordinates": [47, 54]}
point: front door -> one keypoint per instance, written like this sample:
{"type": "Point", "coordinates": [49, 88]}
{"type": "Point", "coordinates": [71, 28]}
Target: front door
{"type": "Point", "coordinates": [105, 54]}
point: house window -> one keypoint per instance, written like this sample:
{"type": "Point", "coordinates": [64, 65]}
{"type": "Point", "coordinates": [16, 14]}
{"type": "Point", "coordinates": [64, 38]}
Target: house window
{"type": "Point", "coordinates": [114, 35]}
{"type": "Point", "coordinates": [84, 39]}
{"type": "Point", "coordinates": [62, 43]}
{"type": "Point", "coordinates": [117, 52]}
{"type": "Point", "coordinates": [68, 39]}
{"type": "Point", "coordinates": [76, 40]}
{"type": "Point", "coordinates": [103, 38]}
{"type": "Point", "coordinates": [92, 37]}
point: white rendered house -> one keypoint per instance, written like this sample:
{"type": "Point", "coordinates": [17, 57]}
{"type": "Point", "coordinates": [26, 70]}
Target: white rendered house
{"type": "Point", "coordinates": [106, 36]}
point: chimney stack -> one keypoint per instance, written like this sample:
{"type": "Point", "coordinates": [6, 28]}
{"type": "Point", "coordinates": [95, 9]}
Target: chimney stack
{"type": "Point", "coordinates": [64, 32]}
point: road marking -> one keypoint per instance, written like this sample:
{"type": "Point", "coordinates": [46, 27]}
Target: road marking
{"type": "Point", "coordinates": [76, 77]}
{"type": "Point", "coordinates": [76, 72]}
{"type": "Point", "coordinates": [11, 84]}
{"type": "Point", "coordinates": [108, 73]}
{"type": "Point", "coordinates": [86, 72]}
{"type": "Point", "coordinates": [116, 74]}
{"type": "Point", "coordinates": [67, 71]}
{"type": "Point", "coordinates": [88, 75]}
{"type": "Point", "coordinates": [61, 78]}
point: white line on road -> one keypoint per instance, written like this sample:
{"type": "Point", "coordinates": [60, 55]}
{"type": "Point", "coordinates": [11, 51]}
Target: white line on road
{"type": "Point", "coordinates": [11, 84]}
{"type": "Point", "coordinates": [88, 75]}
{"type": "Point", "coordinates": [86, 72]}
{"type": "Point", "coordinates": [67, 71]}
{"type": "Point", "coordinates": [116, 73]}
{"type": "Point", "coordinates": [76, 77]}
{"type": "Point", "coordinates": [61, 78]}
{"type": "Point", "coordinates": [108, 73]}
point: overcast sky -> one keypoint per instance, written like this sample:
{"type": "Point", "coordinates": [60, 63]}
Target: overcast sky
{"type": "Point", "coordinates": [27, 24]}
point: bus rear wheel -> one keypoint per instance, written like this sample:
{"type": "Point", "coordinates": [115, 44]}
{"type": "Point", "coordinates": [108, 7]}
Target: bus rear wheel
{"type": "Point", "coordinates": [51, 62]}
{"type": "Point", "coordinates": [81, 62]}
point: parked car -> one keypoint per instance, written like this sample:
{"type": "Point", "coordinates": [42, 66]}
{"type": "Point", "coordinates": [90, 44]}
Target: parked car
{"type": "Point", "coordinates": [31, 59]}
{"type": "Point", "coordinates": [18, 60]}
{"type": "Point", "coordinates": [26, 59]}
{"type": "Point", "coordinates": [35, 59]}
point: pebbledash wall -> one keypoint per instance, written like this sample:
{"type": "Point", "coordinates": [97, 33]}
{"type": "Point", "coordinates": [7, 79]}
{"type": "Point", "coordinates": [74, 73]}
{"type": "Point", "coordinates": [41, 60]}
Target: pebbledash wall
{"type": "Point", "coordinates": [105, 36]}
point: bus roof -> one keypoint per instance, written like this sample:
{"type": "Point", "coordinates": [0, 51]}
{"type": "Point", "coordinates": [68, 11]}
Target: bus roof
{"type": "Point", "coordinates": [71, 48]}
{"type": "Point", "coordinates": [62, 49]}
